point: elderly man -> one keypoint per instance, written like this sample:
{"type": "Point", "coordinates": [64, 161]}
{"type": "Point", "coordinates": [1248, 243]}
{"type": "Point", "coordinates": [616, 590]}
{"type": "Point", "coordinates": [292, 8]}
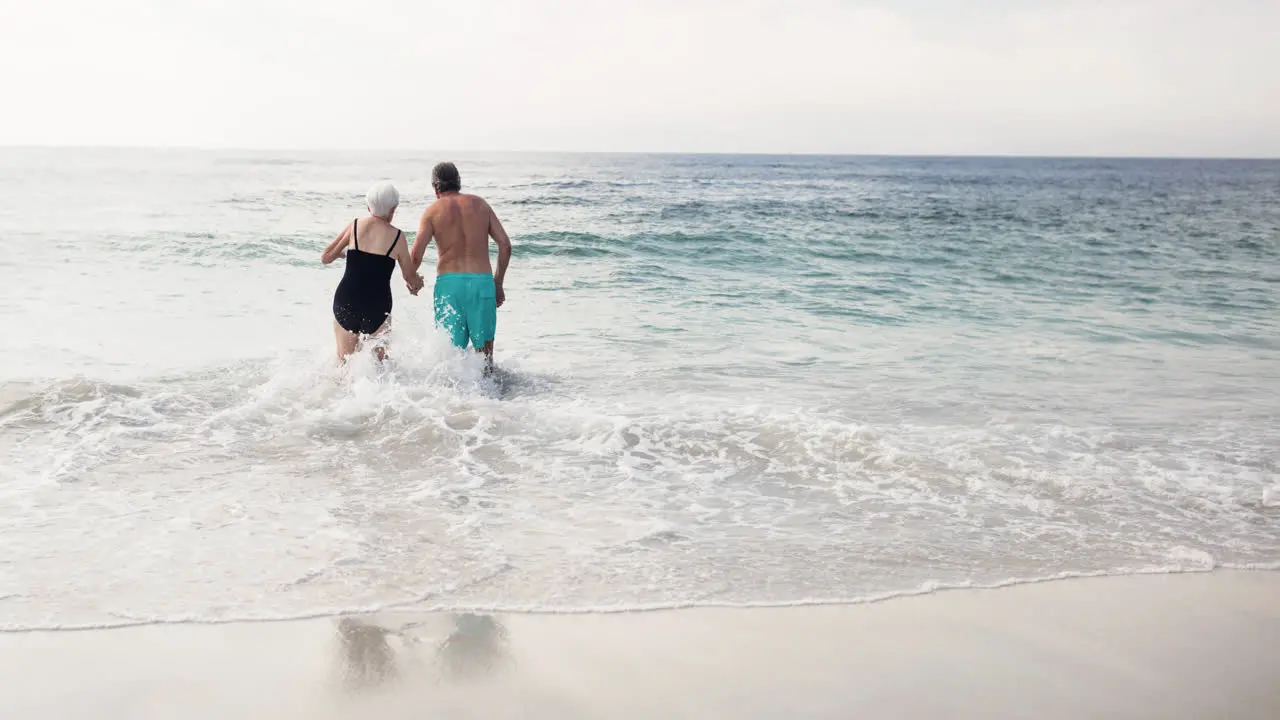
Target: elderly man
{"type": "Point", "coordinates": [467, 293]}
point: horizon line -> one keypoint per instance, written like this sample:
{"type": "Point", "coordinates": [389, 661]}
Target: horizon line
{"type": "Point", "coordinates": [684, 153]}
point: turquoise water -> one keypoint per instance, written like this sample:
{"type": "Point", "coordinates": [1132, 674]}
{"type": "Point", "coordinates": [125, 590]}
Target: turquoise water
{"type": "Point", "coordinates": [725, 380]}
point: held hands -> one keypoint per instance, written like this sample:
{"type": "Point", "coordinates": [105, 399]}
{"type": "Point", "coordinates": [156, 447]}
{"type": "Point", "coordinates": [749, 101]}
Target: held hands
{"type": "Point", "coordinates": [416, 284]}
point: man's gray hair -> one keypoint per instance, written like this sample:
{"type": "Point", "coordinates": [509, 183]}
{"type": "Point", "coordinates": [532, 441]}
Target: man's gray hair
{"type": "Point", "coordinates": [383, 199]}
{"type": "Point", "coordinates": [445, 178]}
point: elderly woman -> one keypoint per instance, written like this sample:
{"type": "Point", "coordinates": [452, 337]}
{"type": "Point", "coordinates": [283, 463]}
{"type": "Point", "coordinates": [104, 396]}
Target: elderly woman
{"type": "Point", "coordinates": [372, 247]}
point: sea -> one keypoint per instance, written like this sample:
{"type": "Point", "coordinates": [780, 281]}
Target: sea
{"type": "Point", "coordinates": [722, 381]}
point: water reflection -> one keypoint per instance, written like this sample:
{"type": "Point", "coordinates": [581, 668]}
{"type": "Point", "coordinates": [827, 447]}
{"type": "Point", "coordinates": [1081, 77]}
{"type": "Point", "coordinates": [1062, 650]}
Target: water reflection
{"type": "Point", "coordinates": [368, 658]}
{"type": "Point", "coordinates": [477, 645]}
{"type": "Point", "coordinates": [474, 646]}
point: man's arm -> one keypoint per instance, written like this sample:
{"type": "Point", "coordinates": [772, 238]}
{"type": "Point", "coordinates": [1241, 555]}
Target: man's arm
{"type": "Point", "coordinates": [499, 235]}
{"type": "Point", "coordinates": [337, 248]}
{"type": "Point", "coordinates": [420, 243]}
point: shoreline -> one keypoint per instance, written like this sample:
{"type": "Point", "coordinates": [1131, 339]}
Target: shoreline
{"type": "Point", "coordinates": [416, 607]}
{"type": "Point", "coordinates": [1191, 644]}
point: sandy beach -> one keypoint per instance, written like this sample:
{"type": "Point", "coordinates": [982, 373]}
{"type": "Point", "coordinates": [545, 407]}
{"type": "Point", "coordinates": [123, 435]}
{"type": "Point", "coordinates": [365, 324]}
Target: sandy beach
{"type": "Point", "coordinates": [1157, 646]}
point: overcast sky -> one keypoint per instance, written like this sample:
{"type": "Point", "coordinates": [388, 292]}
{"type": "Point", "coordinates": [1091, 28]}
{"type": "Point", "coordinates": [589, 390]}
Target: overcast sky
{"type": "Point", "coordinates": [1058, 77]}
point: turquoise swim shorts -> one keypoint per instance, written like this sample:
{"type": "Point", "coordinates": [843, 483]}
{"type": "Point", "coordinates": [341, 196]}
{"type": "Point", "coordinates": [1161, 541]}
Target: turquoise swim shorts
{"type": "Point", "coordinates": [467, 307]}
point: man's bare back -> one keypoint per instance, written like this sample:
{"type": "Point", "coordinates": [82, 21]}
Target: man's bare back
{"type": "Point", "coordinates": [467, 290]}
{"type": "Point", "coordinates": [460, 225]}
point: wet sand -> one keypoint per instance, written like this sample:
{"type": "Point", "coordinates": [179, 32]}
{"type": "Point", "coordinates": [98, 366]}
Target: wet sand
{"type": "Point", "coordinates": [1157, 646]}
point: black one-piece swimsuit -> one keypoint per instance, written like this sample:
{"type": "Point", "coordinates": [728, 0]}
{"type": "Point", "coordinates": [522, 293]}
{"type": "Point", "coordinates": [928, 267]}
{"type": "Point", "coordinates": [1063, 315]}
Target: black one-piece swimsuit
{"type": "Point", "coordinates": [362, 302]}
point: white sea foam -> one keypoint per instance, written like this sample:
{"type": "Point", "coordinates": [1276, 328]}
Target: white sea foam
{"type": "Point", "coordinates": [292, 489]}
{"type": "Point", "coordinates": [1271, 496]}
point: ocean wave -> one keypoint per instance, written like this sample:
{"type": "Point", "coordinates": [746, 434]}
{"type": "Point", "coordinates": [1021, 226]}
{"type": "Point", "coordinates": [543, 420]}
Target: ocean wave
{"type": "Point", "coordinates": [566, 244]}
{"type": "Point", "coordinates": [746, 248]}
{"type": "Point", "coordinates": [550, 201]}
{"type": "Point", "coordinates": [581, 184]}
{"type": "Point", "coordinates": [28, 399]}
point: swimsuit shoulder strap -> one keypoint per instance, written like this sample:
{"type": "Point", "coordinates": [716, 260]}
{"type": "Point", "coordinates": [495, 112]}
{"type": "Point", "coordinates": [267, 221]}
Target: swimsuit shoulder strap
{"type": "Point", "coordinates": [393, 244]}
{"type": "Point", "coordinates": [355, 239]}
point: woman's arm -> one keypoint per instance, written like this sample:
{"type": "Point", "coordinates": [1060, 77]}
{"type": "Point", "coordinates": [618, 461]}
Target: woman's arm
{"type": "Point", "coordinates": [337, 248]}
{"type": "Point", "coordinates": [404, 258]}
